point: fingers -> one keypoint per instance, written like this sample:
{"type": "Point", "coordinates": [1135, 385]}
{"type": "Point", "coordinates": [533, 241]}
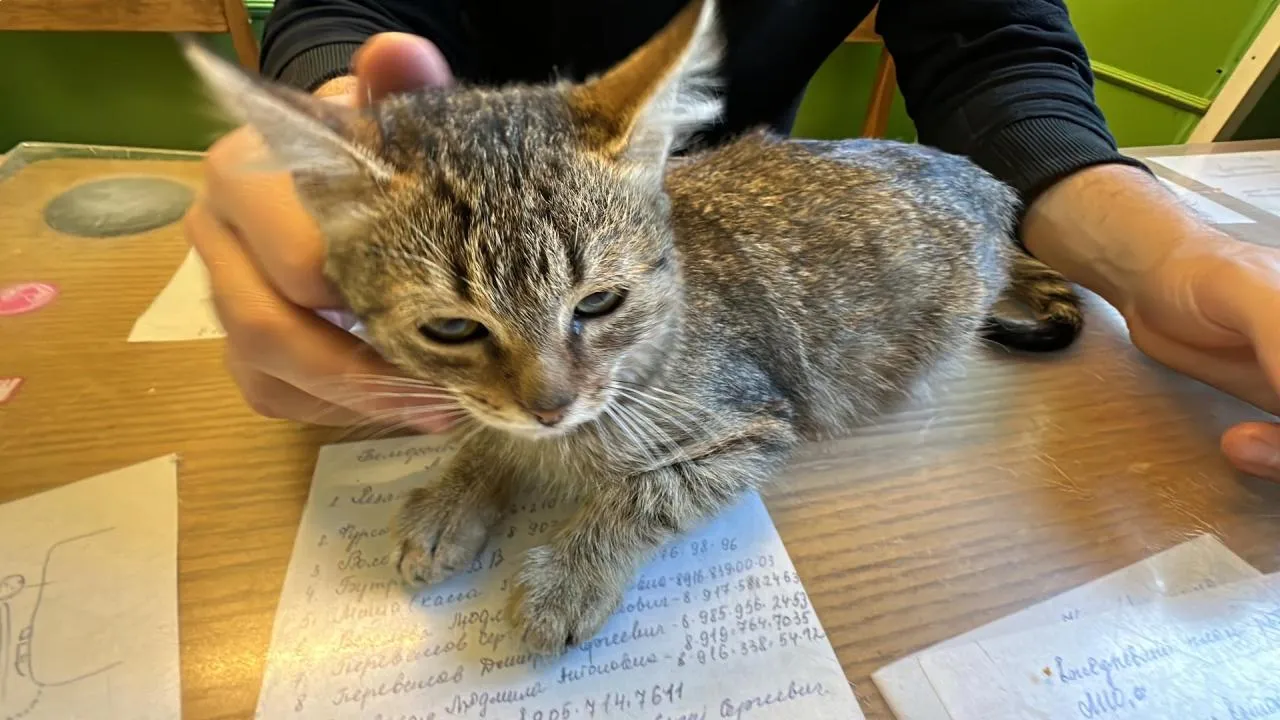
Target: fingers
{"type": "Point", "coordinates": [274, 398]}
{"type": "Point", "coordinates": [288, 361]}
{"type": "Point", "coordinates": [397, 62]}
{"type": "Point", "coordinates": [1254, 448]}
{"type": "Point", "coordinates": [279, 235]}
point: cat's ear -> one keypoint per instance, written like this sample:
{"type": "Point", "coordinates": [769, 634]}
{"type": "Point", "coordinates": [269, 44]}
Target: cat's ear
{"type": "Point", "coordinates": [329, 148]}
{"type": "Point", "coordinates": [643, 107]}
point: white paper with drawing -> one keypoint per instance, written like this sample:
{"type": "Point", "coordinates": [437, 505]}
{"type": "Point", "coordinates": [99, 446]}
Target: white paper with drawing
{"type": "Point", "coordinates": [1204, 655]}
{"type": "Point", "coordinates": [1197, 564]}
{"type": "Point", "coordinates": [89, 599]}
{"type": "Point", "coordinates": [1252, 177]}
{"type": "Point", "coordinates": [717, 626]}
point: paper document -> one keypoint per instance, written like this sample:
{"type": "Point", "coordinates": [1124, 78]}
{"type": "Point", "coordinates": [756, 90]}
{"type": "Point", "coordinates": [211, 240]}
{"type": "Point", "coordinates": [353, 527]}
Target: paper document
{"type": "Point", "coordinates": [89, 599]}
{"type": "Point", "coordinates": [718, 625]}
{"type": "Point", "coordinates": [1209, 654]}
{"type": "Point", "coordinates": [1196, 564]}
{"type": "Point", "coordinates": [1208, 210]}
{"type": "Point", "coordinates": [1252, 177]}
{"type": "Point", "coordinates": [183, 310]}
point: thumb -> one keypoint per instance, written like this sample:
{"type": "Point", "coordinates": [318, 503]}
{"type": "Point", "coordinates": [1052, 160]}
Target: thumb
{"type": "Point", "coordinates": [1254, 448]}
{"type": "Point", "coordinates": [398, 62]}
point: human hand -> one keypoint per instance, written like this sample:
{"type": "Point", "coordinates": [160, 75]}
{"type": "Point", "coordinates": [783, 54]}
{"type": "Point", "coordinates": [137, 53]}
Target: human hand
{"type": "Point", "coordinates": [1208, 310]}
{"type": "Point", "coordinates": [265, 257]}
{"type": "Point", "coordinates": [1194, 298]}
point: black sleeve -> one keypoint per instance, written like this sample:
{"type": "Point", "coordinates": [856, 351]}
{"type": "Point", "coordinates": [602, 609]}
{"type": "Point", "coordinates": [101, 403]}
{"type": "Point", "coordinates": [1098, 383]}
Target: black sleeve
{"type": "Point", "coordinates": [306, 43]}
{"type": "Point", "coordinates": [1004, 82]}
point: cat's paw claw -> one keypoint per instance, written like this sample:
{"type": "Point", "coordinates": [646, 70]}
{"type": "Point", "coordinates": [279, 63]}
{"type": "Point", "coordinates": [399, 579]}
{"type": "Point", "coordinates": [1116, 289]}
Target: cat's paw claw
{"type": "Point", "coordinates": [555, 606]}
{"type": "Point", "coordinates": [437, 533]}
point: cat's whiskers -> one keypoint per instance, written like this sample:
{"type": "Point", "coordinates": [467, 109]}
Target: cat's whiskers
{"type": "Point", "coordinates": [444, 400]}
{"type": "Point", "coordinates": [684, 402]}
{"type": "Point", "coordinates": [374, 379]}
{"type": "Point", "coordinates": [403, 416]}
{"type": "Point", "coordinates": [472, 426]}
{"type": "Point", "coordinates": [657, 433]}
{"type": "Point", "coordinates": [663, 411]}
{"type": "Point", "coordinates": [614, 411]}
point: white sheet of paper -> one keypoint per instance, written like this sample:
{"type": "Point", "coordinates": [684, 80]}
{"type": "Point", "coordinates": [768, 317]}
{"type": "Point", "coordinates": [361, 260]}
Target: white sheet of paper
{"type": "Point", "coordinates": [1204, 655]}
{"type": "Point", "coordinates": [89, 599]}
{"type": "Point", "coordinates": [183, 310]}
{"type": "Point", "coordinates": [1196, 564]}
{"type": "Point", "coordinates": [1252, 177]}
{"type": "Point", "coordinates": [1208, 210]}
{"type": "Point", "coordinates": [718, 626]}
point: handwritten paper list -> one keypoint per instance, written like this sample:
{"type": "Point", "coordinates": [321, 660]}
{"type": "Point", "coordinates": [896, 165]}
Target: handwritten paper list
{"type": "Point", "coordinates": [718, 625]}
{"type": "Point", "coordinates": [1192, 566]}
{"type": "Point", "coordinates": [1210, 655]}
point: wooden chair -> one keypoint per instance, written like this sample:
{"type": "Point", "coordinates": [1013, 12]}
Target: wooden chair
{"type": "Point", "coordinates": [207, 16]}
{"type": "Point", "coordinates": [886, 84]}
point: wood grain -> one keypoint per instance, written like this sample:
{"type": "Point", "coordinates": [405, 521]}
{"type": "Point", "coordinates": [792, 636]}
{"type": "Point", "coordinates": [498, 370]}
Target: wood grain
{"type": "Point", "coordinates": [124, 15]}
{"type": "Point", "coordinates": [1018, 479]}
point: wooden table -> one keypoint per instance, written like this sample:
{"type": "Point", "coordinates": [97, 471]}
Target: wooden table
{"type": "Point", "coordinates": [1022, 479]}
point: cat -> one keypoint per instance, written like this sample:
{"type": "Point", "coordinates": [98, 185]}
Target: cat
{"type": "Point", "coordinates": [650, 336]}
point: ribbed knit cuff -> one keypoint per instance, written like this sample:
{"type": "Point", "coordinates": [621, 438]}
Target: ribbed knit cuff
{"type": "Point", "coordinates": [1033, 154]}
{"type": "Point", "coordinates": [316, 66]}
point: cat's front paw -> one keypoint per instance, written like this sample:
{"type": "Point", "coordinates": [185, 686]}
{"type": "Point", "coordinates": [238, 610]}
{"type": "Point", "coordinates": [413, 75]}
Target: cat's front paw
{"type": "Point", "coordinates": [439, 530]}
{"type": "Point", "coordinates": [556, 605]}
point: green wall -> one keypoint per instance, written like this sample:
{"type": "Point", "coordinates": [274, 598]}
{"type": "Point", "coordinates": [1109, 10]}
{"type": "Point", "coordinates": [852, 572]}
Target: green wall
{"type": "Point", "coordinates": [134, 89]}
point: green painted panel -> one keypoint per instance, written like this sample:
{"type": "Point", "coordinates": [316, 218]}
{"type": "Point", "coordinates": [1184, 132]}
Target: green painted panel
{"type": "Point", "coordinates": [102, 88]}
{"type": "Point", "coordinates": [1188, 44]}
{"type": "Point", "coordinates": [1137, 120]}
{"type": "Point", "coordinates": [835, 103]}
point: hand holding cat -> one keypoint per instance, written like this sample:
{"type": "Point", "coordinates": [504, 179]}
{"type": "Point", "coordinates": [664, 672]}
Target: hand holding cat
{"type": "Point", "coordinates": [1210, 312]}
{"type": "Point", "coordinates": [265, 255]}
{"type": "Point", "coordinates": [1194, 298]}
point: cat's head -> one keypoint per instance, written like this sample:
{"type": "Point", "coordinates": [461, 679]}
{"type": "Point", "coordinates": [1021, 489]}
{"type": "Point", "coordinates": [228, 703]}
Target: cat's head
{"type": "Point", "coordinates": [513, 244]}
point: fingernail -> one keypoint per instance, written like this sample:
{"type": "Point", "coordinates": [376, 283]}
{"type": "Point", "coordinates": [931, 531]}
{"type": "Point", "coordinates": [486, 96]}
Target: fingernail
{"type": "Point", "coordinates": [1255, 450]}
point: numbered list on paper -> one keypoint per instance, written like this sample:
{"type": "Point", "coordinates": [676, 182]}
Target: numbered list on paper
{"type": "Point", "coordinates": [718, 625]}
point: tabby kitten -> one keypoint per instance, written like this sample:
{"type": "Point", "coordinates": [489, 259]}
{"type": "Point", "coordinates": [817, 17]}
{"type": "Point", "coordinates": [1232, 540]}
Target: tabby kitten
{"type": "Point", "coordinates": [651, 338]}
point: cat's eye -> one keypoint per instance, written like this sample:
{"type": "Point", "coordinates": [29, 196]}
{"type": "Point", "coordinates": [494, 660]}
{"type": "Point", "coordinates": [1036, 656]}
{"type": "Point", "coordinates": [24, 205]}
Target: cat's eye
{"type": "Point", "coordinates": [451, 331]}
{"type": "Point", "coordinates": [597, 304]}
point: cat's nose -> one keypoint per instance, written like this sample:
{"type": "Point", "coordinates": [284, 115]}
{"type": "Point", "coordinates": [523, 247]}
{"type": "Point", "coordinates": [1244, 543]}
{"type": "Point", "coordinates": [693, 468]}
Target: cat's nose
{"type": "Point", "coordinates": [551, 410]}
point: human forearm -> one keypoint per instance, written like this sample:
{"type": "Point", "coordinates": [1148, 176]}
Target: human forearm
{"type": "Point", "coordinates": [1107, 226]}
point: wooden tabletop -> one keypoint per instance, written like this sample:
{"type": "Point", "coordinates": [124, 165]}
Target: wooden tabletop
{"type": "Point", "coordinates": [1018, 480]}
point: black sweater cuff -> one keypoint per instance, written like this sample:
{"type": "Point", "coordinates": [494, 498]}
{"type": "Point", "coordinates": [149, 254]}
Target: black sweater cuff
{"type": "Point", "coordinates": [313, 67]}
{"type": "Point", "coordinates": [1033, 154]}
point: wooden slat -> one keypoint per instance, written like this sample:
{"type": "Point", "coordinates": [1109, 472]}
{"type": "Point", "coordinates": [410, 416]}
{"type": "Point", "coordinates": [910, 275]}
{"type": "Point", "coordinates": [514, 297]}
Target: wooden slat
{"type": "Point", "coordinates": [122, 15]}
{"type": "Point", "coordinates": [876, 124]}
{"type": "Point", "coordinates": [866, 31]}
{"type": "Point", "coordinates": [1242, 90]}
{"type": "Point", "coordinates": [242, 37]}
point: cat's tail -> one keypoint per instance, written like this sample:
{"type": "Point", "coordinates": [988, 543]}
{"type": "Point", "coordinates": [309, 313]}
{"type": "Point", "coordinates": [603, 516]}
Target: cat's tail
{"type": "Point", "coordinates": [1057, 315]}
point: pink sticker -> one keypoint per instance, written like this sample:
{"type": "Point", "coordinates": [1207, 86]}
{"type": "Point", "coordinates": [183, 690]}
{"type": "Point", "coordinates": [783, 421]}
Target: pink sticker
{"type": "Point", "coordinates": [8, 386]}
{"type": "Point", "coordinates": [25, 297]}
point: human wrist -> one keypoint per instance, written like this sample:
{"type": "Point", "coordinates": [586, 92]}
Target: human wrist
{"type": "Point", "coordinates": [1107, 227]}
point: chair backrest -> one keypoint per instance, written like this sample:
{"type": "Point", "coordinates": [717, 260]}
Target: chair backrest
{"type": "Point", "coordinates": [207, 16]}
{"type": "Point", "coordinates": [876, 123]}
